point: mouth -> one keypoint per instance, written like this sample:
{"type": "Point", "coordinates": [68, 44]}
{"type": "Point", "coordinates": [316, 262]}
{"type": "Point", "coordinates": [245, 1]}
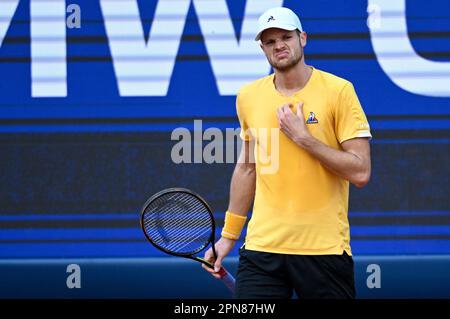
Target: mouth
{"type": "Point", "coordinates": [282, 55]}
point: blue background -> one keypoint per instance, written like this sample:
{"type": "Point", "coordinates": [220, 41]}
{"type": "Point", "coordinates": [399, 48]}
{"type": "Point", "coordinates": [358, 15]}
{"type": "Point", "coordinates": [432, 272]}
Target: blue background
{"type": "Point", "coordinates": [75, 171]}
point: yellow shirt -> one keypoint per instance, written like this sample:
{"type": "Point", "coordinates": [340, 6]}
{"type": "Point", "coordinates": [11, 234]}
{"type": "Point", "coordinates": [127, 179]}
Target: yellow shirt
{"type": "Point", "coordinates": [300, 207]}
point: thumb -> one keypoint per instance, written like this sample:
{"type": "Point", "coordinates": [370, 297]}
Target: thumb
{"type": "Point", "coordinates": [218, 264]}
{"type": "Point", "coordinates": [300, 109]}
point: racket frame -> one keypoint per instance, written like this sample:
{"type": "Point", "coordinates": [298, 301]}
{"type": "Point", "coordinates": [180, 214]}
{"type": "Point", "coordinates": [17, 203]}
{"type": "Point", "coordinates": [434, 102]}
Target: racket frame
{"type": "Point", "coordinates": [189, 255]}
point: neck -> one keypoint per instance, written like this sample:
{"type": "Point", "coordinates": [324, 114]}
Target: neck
{"type": "Point", "coordinates": [293, 79]}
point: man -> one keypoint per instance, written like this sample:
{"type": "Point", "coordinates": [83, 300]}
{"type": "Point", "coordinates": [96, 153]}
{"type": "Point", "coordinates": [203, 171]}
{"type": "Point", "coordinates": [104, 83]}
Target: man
{"type": "Point", "coordinates": [298, 237]}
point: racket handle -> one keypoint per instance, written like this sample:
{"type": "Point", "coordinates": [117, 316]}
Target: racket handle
{"type": "Point", "coordinates": [227, 279]}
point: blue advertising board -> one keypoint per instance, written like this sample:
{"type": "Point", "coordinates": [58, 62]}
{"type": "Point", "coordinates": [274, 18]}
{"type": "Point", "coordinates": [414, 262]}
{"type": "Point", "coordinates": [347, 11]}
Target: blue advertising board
{"type": "Point", "coordinates": [91, 92]}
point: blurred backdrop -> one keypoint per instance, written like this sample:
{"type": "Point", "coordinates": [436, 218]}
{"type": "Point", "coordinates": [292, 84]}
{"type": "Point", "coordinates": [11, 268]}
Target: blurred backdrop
{"type": "Point", "coordinates": [91, 92]}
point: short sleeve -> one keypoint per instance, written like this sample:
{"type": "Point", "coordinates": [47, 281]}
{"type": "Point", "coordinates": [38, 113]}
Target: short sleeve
{"type": "Point", "coordinates": [350, 120]}
{"type": "Point", "coordinates": [244, 134]}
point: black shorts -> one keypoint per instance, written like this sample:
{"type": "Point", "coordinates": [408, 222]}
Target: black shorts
{"type": "Point", "coordinates": [263, 275]}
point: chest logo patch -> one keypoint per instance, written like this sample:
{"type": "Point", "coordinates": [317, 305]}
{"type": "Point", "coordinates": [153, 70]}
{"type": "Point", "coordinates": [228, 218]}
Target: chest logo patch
{"type": "Point", "coordinates": [312, 119]}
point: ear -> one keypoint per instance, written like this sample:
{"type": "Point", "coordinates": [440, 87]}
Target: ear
{"type": "Point", "coordinates": [303, 38]}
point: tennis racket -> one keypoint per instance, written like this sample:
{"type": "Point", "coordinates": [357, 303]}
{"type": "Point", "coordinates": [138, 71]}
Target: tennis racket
{"type": "Point", "coordinates": [180, 223]}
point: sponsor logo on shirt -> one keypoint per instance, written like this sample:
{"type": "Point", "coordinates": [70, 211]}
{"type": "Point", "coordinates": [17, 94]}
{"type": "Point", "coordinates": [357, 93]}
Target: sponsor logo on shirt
{"type": "Point", "coordinates": [312, 119]}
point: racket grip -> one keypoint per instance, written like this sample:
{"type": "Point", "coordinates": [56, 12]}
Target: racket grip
{"type": "Point", "coordinates": [227, 279]}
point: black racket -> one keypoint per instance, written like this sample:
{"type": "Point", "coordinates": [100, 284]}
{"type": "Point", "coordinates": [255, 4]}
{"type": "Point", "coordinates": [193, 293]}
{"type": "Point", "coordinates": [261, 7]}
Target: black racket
{"type": "Point", "coordinates": [180, 223]}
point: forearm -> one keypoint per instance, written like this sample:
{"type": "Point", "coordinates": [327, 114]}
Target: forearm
{"type": "Point", "coordinates": [344, 163]}
{"type": "Point", "coordinates": [351, 163]}
{"type": "Point", "coordinates": [242, 189]}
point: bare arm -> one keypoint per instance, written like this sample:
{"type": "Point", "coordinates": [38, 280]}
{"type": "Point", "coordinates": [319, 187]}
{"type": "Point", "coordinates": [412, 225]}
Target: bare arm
{"type": "Point", "coordinates": [242, 191]}
{"type": "Point", "coordinates": [243, 181]}
{"type": "Point", "coordinates": [352, 163]}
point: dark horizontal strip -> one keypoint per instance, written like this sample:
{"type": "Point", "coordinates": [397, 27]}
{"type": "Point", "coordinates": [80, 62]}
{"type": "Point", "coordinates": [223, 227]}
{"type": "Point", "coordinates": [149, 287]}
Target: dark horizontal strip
{"type": "Point", "coordinates": [89, 39]}
{"type": "Point", "coordinates": [143, 240]}
{"type": "Point", "coordinates": [397, 221]}
{"type": "Point", "coordinates": [191, 58]}
{"type": "Point", "coordinates": [44, 214]}
{"type": "Point", "coordinates": [109, 223]}
{"type": "Point", "coordinates": [410, 134]}
{"type": "Point", "coordinates": [240, 19]}
{"type": "Point", "coordinates": [366, 35]}
{"type": "Point", "coordinates": [367, 56]}
{"type": "Point", "coordinates": [121, 120]}
{"type": "Point", "coordinates": [72, 241]}
{"type": "Point", "coordinates": [108, 59]}
{"type": "Point", "coordinates": [131, 103]}
{"type": "Point", "coordinates": [165, 137]}
{"type": "Point", "coordinates": [125, 223]}
{"type": "Point", "coordinates": [434, 55]}
{"type": "Point", "coordinates": [69, 206]}
{"type": "Point", "coordinates": [400, 237]}
{"type": "Point", "coordinates": [85, 138]}
{"type": "Point", "coordinates": [162, 120]}
{"type": "Point", "coordinates": [199, 38]}
{"type": "Point", "coordinates": [409, 117]}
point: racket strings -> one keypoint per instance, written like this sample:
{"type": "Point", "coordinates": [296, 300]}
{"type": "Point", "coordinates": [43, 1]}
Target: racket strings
{"type": "Point", "coordinates": [177, 225]}
{"type": "Point", "coordinates": [179, 246]}
{"type": "Point", "coordinates": [196, 221]}
{"type": "Point", "coordinates": [178, 222]}
{"type": "Point", "coordinates": [181, 233]}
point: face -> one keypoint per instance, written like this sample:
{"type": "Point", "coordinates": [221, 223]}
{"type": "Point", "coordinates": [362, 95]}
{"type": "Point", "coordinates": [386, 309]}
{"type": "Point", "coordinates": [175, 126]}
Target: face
{"type": "Point", "coordinates": [283, 49]}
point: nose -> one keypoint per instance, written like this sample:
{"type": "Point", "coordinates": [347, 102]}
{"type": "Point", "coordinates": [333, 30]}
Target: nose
{"type": "Point", "coordinates": [279, 44]}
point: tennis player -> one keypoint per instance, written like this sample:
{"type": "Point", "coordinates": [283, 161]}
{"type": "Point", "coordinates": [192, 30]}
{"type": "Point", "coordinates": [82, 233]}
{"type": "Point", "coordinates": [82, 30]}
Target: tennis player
{"type": "Point", "coordinates": [298, 237]}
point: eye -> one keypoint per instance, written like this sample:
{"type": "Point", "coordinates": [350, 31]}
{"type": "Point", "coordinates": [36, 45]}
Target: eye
{"type": "Point", "coordinates": [287, 37]}
{"type": "Point", "coordinates": [269, 42]}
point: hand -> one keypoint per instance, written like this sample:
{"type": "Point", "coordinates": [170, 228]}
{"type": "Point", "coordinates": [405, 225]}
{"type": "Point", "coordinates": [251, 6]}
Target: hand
{"type": "Point", "coordinates": [223, 248]}
{"type": "Point", "coordinates": [293, 125]}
